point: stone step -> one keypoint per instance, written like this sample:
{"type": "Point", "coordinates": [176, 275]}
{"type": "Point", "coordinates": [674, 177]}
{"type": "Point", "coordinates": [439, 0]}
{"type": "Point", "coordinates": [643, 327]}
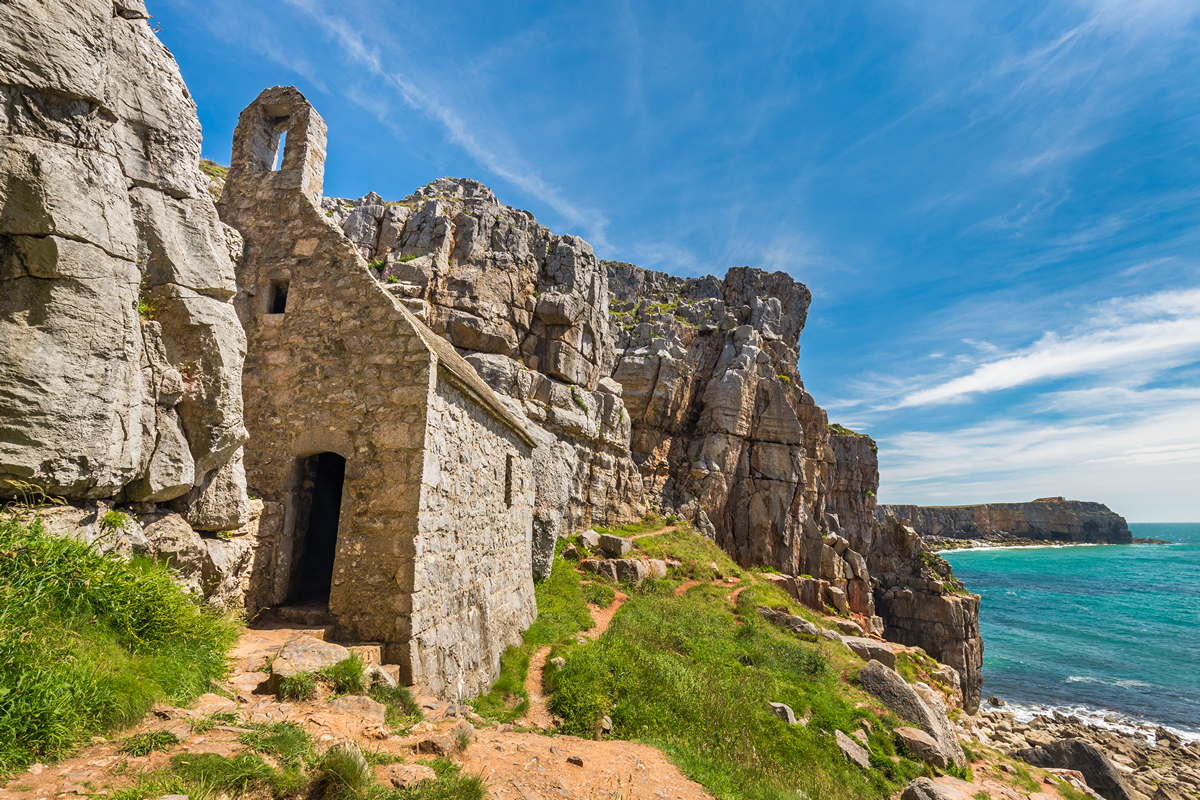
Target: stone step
{"type": "Point", "coordinates": [301, 615]}
{"type": "Point", "coordinates": [369, 652]}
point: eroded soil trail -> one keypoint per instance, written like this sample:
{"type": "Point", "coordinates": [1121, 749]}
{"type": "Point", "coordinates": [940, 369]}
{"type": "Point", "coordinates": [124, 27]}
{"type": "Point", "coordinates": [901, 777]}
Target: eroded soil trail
{"type": "Point", "coordinates": [538, 716]}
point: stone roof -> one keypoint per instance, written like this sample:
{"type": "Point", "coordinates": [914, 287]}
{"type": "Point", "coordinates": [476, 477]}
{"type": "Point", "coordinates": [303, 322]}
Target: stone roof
{"type": "Point", "coordinates": [465, 377]}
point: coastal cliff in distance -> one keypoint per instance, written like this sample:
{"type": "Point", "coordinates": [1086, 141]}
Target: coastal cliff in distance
{"type": "Point", "coordinates": [1049, 519]}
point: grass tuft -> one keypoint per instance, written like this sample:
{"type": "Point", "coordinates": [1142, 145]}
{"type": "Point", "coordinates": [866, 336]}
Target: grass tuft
{"type": "Point", "coordinates": [344, 775]}
{"type": "Point", "coordinates": [348, 676]}
{"type": "Point", "coordinates": [402, 709]}
{"type": "Point", "coordinates": [286, 741]}
{"type": "Point", "coordinates": [143, 744]}
{"type": "Point", "coordinates": [88, 643]}
{"type": "Point", "coordinates": [599, 594]}
{"type": "Point", "coordinates": [299, 687]}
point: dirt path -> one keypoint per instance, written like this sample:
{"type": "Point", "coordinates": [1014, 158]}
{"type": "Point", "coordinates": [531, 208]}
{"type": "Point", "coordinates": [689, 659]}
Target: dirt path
{"type": "Point", "coordinates": [659, 532]}
{"type": "Point", "coordinates": [603, 616]}
{"type": "Point", "coordinates": [683, 587]}
{"type": "Point", "coordinates": [526, 766]}
{"type": "Point", "coordinates": [538, 716]}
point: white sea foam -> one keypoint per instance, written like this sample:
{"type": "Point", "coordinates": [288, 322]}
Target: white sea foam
{"type": "Point", "coordinates": [1098, 718]}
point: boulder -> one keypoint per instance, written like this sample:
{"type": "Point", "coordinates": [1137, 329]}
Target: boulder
{"type": "Point", "coordinates": [590, 539]}
{"type": "Point", "coordinates": [854, 752]}
{"type": "Point", "coordinates": [904, 701]}
{"type": "Point", "coordinates": [304, 654]}
{"type": "Point", "coordinates": [631, 571]}
{"type": "Point", "coordinates": [1085, 758]}
{"type": "Point", "coordinates": [922, 746]}
{"type": "Point", "coordinates": [789, 621]}
{"type": "Point", "coordinates": [615, 546]}
{"type": "Point", "coordinates": [871, 650]}
{"type": "Point", "coordinates": [926, 789]}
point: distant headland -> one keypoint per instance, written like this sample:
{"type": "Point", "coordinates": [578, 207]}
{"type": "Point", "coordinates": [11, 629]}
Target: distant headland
{"type": "Point", "coordinates": [1047, 520]}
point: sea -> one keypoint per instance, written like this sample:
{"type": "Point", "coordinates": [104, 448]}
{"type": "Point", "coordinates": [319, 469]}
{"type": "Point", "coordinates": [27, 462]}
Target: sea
{"type": "Point", "coordinates": [1109, 633]}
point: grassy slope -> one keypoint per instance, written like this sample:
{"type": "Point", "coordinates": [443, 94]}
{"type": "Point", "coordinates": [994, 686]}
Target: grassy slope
{"type": "Point", "coordinates": [88, 643]}
{"type": "Point", "coordinates": [693, 676]}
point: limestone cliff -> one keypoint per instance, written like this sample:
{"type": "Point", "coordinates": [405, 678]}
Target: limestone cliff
{"type": "Point", "coordinates": [120, 353]}
{"type": "Point", "coordinates": [1052, 519]}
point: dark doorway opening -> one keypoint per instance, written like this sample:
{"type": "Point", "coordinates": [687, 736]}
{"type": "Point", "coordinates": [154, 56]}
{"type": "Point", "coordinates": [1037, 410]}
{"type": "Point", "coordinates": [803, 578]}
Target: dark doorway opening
{"type": "Point", "coordinates": [312, 560]}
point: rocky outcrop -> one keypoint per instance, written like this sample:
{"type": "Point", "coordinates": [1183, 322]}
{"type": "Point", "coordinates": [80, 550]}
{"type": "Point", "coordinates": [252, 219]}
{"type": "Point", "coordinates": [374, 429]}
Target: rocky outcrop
{"type": "Point", "coordinates": [722, 429]}
{"type": "Point", "coordinates": [215, 568]}
{"type": "Point", "coordinates": [922, 708]}
{"type": "Point", "coordinates": [1083, 757]}
{"type": "Point", "coordinates": [120, 353]}
{"type": "Point", "coordinates": [854, 484]}
{"type": "Point", "coordinates": [1051, 519]}
{"type": "Point", "coordinates": [923, 605]}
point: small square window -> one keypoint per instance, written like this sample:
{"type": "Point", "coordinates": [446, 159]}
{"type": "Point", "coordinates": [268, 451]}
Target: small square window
{"type": "Point", "coordinates": [278, 298]}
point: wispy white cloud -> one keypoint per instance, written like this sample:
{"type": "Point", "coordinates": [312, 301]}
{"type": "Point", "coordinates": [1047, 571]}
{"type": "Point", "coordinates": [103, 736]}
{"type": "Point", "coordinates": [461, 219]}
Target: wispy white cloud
{"type": "Point", "coordinates": [466, 134]}
{"type": "Point", "coordinates": [1157, 332]}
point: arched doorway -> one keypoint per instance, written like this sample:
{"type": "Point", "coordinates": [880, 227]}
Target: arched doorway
{"type": "Point", "coordinates": [319, 504]}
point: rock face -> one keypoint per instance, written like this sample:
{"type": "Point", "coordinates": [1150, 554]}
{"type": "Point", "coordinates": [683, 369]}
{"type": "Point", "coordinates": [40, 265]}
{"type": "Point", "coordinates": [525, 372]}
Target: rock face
{"type": "Point", "coordinates": [1052, 519]}
{"type": "Point", "coordinates": [120, 353]}
{"type": "Point", "coordinates": [1084, 757]}
{"type": "Point", "coordinates": [923, 709]}
{"type": "Point", "coordinates": [923, 605]}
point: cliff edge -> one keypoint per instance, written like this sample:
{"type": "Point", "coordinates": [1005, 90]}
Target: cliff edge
{"type": "Point", "coordinates": [1049, 519]}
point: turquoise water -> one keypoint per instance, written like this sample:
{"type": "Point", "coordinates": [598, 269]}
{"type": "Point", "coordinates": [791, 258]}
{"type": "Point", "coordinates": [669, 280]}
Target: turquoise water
{"type": "Point", "coordinates": [1106, 630]}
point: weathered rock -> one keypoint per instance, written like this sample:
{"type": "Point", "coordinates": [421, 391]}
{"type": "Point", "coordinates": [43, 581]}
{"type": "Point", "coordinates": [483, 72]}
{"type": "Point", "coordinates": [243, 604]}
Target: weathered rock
{"type": "Point", "coordinates": [305, 654]}
{"type": "Point", "coordinates": [917, 610]}
{"type": "Point", "coordinates": [925, 789]}
{"type": "Point", "coordinates": [852, 750]}
{"type": "Point", "coordinates": [1084, 757]}
{"type": "Point", "coordinates": [923, 746]}
{"type": "Point", "coordinates": [789, 621]}
{"type": "Point", "coordinates": [996, 702]}
{"type": "Point", "coordinates": [784, 712]}
{"type": "Point", "coordinates": [590, 539]}
{"type": "Point", "coordinates": [871, 650]}
{"type": "Point", "coordinates": [403, 776]}
{"type": "Point", "coordinates": [615, 546]}
{"type": "Point", "coordinates": [358, 706]}
{"type": "Point", "coordinates": [105, 211]}
{"type": "Point", "coordinates": [926, 711]}
{"type": "Point", "coordinates": [441, 745]}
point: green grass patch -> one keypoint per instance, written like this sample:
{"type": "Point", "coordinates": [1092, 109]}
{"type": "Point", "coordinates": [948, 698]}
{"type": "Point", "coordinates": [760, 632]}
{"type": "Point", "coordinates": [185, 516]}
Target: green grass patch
{"type": "Point", "coordinates": [143, 744]}
{"type": "Point", "coordinates": [678, 672]}
{"type": "Point", "coordinates": [599, 594]}
{"type": "Point", "coordinates": [299, 687]}
{"type": "Point", "coordinates": [213, 170]}
{"type": "Point", "coordinates": [213, 720]}
{"type": "Point", "coordinates": [562, 613]}
{"type": "Point", "coordinates": [696, 553]}
{"type": "Point", "coordinates": [209, 775]}
{"type": "Point", "coordinates": [348, 676]}
{"type": "Point", "coordinates": [342, 775]}
{"type": "Point", "coordinates": [648, 524]}
{"type": "Point", "coordinates": [285, 741]}
{"type": "Point", "coordinates": [1024, 779]}
{"type": "Point", "coordinates": [402, 710]}
{"type": "Point", "coordinates": [88, 643]}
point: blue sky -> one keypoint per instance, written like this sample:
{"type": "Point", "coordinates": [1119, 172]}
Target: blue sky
{"type": "Point", "coordinates": [996, 205]}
